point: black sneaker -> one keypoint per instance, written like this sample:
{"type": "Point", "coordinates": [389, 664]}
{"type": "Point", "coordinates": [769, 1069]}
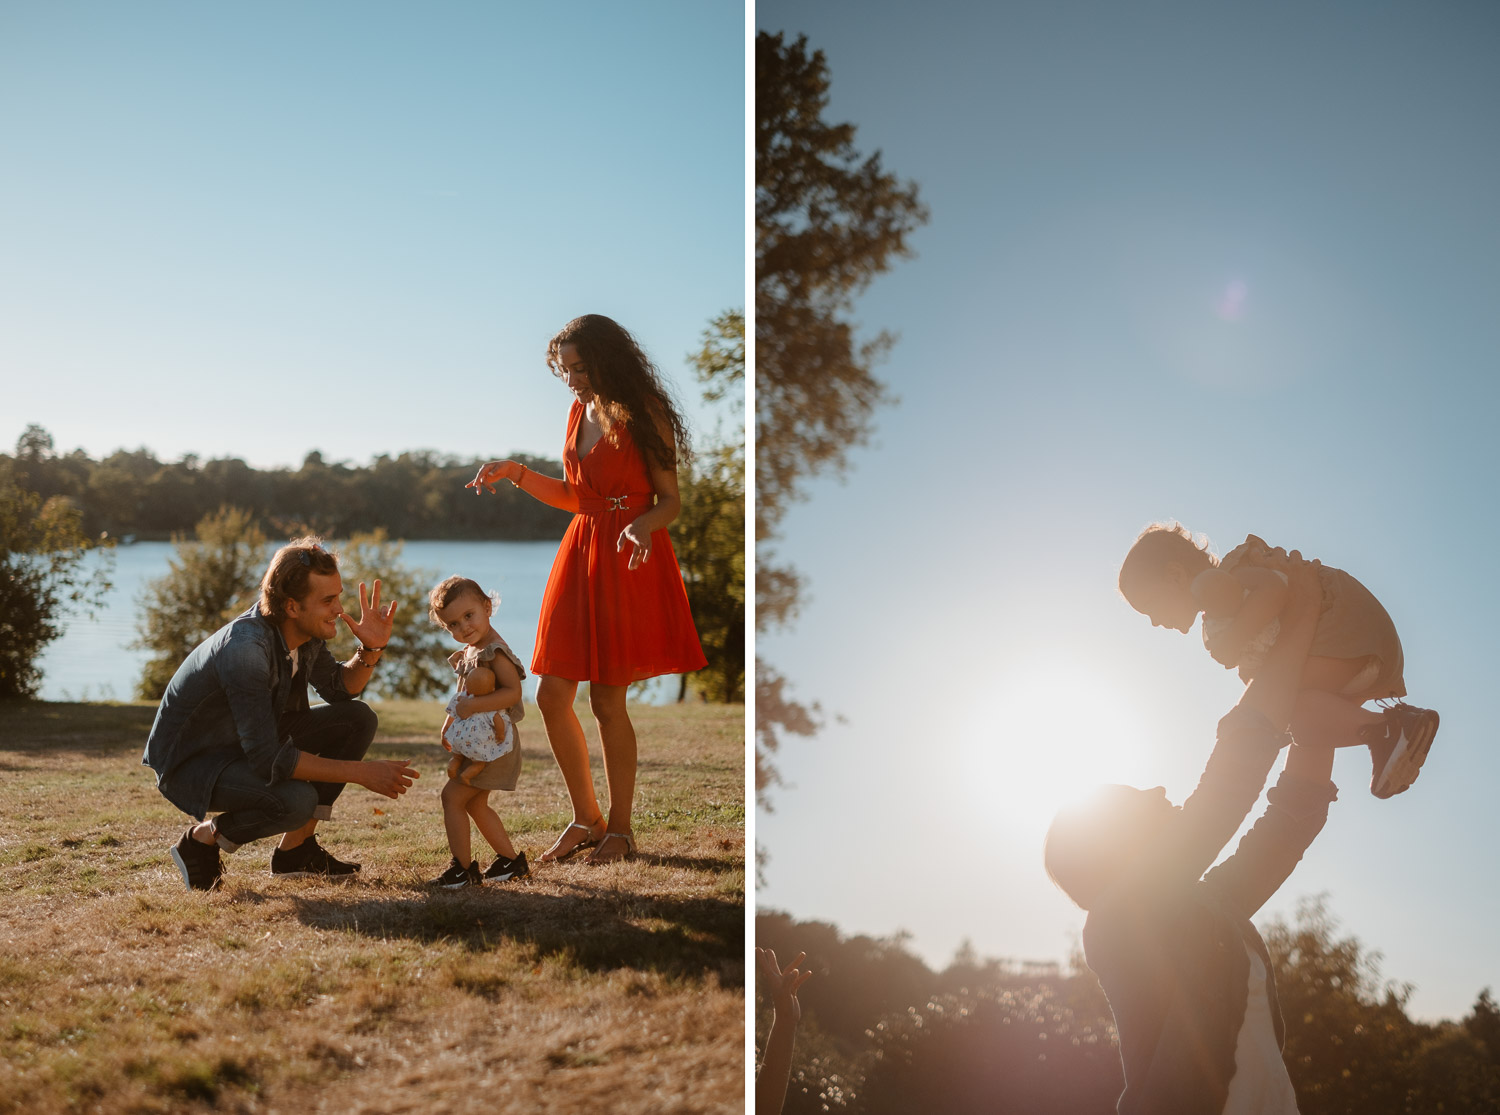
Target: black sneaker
{"type": "Point", "coordinates": [458, 876]}
{"type": "Point", "coordinates": [310, 858]}
{"type": "Point", "coordinates": [201, 867]}
{"type": "Point", "coordinates": [503, 869]}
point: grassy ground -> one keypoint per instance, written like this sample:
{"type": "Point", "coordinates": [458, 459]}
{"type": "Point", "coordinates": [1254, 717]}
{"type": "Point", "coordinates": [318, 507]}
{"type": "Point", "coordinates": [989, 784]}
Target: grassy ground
{"type": "Point", "coordinates": [616, 989]}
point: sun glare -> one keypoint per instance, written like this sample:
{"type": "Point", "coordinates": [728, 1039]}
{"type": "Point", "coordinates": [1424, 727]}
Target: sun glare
{"type": "Point", "coordinates": [1052, 731]}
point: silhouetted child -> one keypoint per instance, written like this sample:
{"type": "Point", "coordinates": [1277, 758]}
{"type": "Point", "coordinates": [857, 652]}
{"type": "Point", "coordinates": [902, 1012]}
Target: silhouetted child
{"type": "Point", "coordinates": [1356, 654]}
{"type": "Point", "coordinates": [481, 730]}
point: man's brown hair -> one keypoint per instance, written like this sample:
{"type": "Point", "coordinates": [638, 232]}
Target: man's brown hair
{"type": "Point", "coordinates": [287, 576]}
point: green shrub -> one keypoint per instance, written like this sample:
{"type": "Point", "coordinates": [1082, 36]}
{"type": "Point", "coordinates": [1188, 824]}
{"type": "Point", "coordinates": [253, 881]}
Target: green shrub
{"type": "Point", "coordinates": [43, 576]}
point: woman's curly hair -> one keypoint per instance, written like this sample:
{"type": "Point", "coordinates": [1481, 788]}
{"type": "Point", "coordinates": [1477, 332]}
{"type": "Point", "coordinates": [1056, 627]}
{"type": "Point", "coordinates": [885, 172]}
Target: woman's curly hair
{"type": "Point", "coordinates": [628, 388]}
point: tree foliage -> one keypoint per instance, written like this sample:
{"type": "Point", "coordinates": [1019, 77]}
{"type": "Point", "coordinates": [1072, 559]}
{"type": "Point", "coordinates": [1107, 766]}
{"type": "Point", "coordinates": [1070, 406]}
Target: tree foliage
{"type": "Point", "coordinates": [709, 535]}
{"type": "Point", "coordinates": [415, 663]}
{"type": "Point", "coordinates": [827, 221]}
{"type": "Point", "coordinates": [720, 365]}
{"type": "Point", "coordinates": [1350, 1046]}
{"type": "Point", "coordinates": [211, 578]}
{"type": "Point", "coordinates": [44, 570]}
{"type": "Point", "coordinates": [417, 494]}
{"type": "Point", "coordinates": [892, 1035]}
{"type": "Point", "coordinates": [882, 1032]}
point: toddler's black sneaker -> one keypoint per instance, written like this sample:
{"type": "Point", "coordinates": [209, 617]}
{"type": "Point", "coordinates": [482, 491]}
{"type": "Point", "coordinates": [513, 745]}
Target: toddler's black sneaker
{"type": "Point", "coordinates": [458, 876]}
{"type": "Point", "coordinates": [200, 865]}
{"type": "Point", "coordinates": [503, 869]}
{"type": "Point", "coordinates": [310, 858]}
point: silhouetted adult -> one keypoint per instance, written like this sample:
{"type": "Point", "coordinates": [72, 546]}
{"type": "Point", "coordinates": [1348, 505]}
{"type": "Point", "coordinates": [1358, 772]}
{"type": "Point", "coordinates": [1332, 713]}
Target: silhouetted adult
{"type": "Point", "coordinates": [1188, 977]}
{"type": "Point", "coordinates": [234, 733]}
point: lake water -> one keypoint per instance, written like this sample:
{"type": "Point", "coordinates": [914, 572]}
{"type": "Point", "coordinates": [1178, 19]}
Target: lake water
{"type": "Point", "coordinates": [93, 661]}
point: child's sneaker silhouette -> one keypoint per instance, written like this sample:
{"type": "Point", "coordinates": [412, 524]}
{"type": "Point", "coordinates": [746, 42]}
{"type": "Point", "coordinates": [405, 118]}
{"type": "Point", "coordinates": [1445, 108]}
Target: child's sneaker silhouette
{"type": "Point", "coordinates": [1399, 746]}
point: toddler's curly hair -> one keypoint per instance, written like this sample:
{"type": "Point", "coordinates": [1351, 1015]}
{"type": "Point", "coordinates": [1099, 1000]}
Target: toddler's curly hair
{"type": "Point", "coordinates": [1154, 548]}
{"type": "Point", "coordinates": [449, 590]}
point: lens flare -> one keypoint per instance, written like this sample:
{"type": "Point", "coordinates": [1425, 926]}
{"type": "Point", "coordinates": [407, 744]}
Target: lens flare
{"type": "Point", "coordinates": [1231, 306]}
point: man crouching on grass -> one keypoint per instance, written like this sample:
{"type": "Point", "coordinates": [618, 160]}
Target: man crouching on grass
{"type": "Point", "coordinates": [234, 734]}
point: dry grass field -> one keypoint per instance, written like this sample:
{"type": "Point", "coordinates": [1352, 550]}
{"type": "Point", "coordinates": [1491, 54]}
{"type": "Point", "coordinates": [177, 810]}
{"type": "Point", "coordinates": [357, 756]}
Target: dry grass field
{"type": "Point", "coordinates": [614, 989]}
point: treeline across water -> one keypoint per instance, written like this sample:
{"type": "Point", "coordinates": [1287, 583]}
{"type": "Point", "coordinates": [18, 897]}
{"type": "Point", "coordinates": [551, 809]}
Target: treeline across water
{"type": "Point", "coordinates": [223, 514]}
{"type": "Point", "coordinates": [417, 494]}
{"type": "Point", "coordinates": [882, 1033]}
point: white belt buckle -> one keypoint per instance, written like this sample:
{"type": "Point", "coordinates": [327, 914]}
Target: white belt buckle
{"type": "Point", "coordinates": [617, 503]}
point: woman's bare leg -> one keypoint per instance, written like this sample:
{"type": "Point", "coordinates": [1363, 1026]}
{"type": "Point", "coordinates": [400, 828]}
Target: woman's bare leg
{"type": "Point", "coordinates": [554, 698]}
{"type": "Point", "coordinates": [617, 738]}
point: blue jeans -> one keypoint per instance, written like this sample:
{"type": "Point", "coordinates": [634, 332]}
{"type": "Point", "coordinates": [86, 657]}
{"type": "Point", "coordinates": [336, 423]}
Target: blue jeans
{"type": "Point", "coordinates": [250, 809]}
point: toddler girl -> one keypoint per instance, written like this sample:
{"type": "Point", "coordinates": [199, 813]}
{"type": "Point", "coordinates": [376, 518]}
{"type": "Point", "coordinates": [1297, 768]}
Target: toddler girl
{"type": "Point", "coordinates": [481, 731]}
{"type": "Point", "coordinates": [1355, 657]}
{"type": "Point", "coordinates": [479, 739]}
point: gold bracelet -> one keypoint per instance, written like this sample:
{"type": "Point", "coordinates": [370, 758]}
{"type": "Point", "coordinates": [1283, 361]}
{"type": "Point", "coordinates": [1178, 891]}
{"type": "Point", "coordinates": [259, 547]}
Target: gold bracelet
{"type": "Point", "coordinates": [517, 480]}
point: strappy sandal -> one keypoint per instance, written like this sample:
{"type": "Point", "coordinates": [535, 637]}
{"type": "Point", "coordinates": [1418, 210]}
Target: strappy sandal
{"type": "Point", "coordinates": [589, 841]}
{"type": "Point", "coordinates": [628, 837]}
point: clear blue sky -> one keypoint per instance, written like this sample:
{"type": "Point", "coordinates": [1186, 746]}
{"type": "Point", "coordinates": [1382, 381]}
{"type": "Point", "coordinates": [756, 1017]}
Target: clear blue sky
{"type": "Point", "coordinates": [260, 229]}
{"type": "Point", "coordinates": [1236, 265]}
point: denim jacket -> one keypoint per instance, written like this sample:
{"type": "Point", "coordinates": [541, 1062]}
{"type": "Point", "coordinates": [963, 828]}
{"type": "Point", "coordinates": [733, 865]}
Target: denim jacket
{"type": "Point", "coordinates": [226, 702]}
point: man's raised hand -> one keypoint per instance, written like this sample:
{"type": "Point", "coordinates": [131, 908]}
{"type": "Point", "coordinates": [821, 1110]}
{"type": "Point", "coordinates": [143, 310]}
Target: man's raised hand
{"type": "Point", "coordinates": [374, 626]}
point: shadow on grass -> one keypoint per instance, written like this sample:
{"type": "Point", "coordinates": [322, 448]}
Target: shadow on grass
{"type": "Point", "coordinates": [598, 931]}
{"type": "Point", "coordinates": [109, 729]}
{"type": "Point", "coordinates": [28, 726]}
{"type": "Point", "coordinates": [687, 863]}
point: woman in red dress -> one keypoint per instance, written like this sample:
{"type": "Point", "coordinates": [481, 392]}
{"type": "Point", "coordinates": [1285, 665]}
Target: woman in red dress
{"type": "Point", "coordinates": [615, 610]}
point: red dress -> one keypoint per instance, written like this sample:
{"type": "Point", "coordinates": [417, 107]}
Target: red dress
{"type": "Point", "coordinates": [602, 621]}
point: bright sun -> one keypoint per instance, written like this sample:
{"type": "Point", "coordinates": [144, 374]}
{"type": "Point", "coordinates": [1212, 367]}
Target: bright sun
{"type": "Point", "coordinates": [1052, 730]}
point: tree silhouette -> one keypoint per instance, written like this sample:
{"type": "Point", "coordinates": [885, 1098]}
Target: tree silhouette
{"type": "Point", "coordinates": [881, 1032]}
{"type": "Point", "coordinates": [827, 221]}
